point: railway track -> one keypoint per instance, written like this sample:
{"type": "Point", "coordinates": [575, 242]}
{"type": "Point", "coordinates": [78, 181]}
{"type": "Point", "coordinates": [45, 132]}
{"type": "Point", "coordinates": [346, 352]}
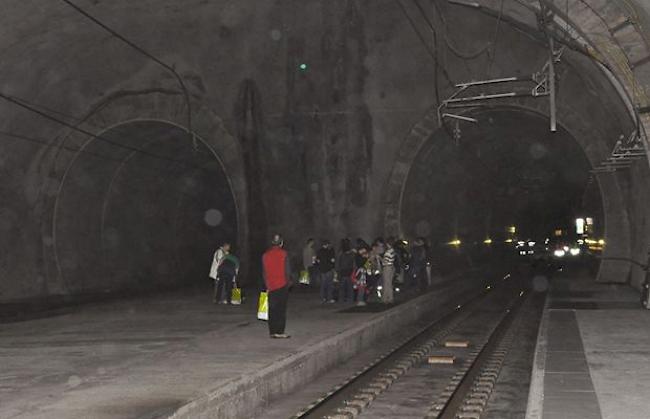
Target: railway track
{"type": "Point", "coordinates": [403, 382]}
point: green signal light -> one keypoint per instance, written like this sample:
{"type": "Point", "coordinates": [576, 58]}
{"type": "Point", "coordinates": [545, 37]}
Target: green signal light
{"type": "Point", "coordinates": [303, 67]}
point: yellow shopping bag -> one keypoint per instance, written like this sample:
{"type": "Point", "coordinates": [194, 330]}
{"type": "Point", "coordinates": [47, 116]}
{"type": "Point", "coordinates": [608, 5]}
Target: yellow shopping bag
{"type": "Point", "coordinates": [235, 296]}
{"type": "Point", "coordinates": [304, 277]}
{"type": "Point", "coordinates": [263, 306]}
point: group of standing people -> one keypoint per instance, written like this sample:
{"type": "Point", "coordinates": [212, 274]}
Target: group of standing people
{"type": "Point", "coordinates": [363, 272]}
{"type": "Point", "coordinates": [356, 273]}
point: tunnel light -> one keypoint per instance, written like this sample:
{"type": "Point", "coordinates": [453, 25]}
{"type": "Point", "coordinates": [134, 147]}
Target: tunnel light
{"type": "Point", "coordinates": [487, 241]}
{"type": "Point", "coordinates": [547, 240]}
{"type": "Point", "coordinates": [512, 229]}
{"type": "Point", "coordinates": [303, 67]}
{"type": "Point", "coordinates": [580, 226]}
{"type": "Point", "coordinates": [509, 240]}
{"type": "Point", "coordinates": [521, 243]}
{"type": "Point", "coordinates": [531, 243]}
{"type": "Point", "coordinates": [559, 253]}
{"type": "Point", "coordinates": [455, 242]}
{"type": "Point", "coordinates": [601, 242]}
{"type": "Point", "coordinates": [566, 248]}
{"type": "Point", "coordinates": [574, 251]}
{"type": "Point", "coordinates": [396, 289]}
{"type": "Point", "coordinates": [580, 241]}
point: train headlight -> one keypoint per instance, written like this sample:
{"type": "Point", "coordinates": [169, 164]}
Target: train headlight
{"type": "Point", "coordinates": [559, 253]}
{"type": "Point", "coordinates": [574, 251]}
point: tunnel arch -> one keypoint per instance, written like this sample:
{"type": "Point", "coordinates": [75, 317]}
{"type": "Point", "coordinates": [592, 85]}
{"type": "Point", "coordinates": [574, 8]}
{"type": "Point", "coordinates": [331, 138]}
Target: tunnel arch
{"type": "Point", "coordinates": [144, 223]}
{"type": "Point", "coordinates": [135, 107]}
{"type": "Point", "coordinates": [617, 227]}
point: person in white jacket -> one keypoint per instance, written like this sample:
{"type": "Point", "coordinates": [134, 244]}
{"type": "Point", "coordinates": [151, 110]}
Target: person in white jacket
{"type": "Point", "coordinates": [218, 257]}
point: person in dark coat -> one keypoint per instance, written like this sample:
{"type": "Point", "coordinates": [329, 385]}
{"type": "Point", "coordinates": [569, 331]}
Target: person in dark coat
{"type": "Point", "coordinates": [326, 260]}
{"type": "Point", "coordinates": [345, 267]}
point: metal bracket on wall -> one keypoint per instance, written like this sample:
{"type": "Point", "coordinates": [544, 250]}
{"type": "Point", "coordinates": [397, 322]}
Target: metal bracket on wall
{"type": "Point", "coordinates": [543, 85]}
{"type": "Point", "coordinates": [624, 154]}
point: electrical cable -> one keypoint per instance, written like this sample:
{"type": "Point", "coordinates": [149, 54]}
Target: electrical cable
{"type": "Point", "coordinates": [495, 39]}
{"type": "Point", "coordinates": [148, 55]}
{"type": "Point", "coordinates": [454, 49]}
{"type": "Point", "coordinates": [435, 42]}
{"type": "Point", "coordinates": [434, 54]}
{"type": "Point", "coordinates": [19, 103]}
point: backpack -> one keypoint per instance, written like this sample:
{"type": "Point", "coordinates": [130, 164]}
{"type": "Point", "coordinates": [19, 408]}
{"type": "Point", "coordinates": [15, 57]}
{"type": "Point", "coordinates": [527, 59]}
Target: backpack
{"type": "Point", "coordinates": [227, 269]}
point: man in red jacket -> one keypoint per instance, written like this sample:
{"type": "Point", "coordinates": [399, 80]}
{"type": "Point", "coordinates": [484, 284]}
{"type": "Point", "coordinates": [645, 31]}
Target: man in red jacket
{"type": "Point", "coordinates": [277, 274]}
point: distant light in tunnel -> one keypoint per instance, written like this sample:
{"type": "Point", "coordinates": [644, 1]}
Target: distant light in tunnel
{"type": "Point", "coordinates": [213, 217]}
{"type": "Point", "coordinates": [580, 226]}
{"type": "Point", "coordinates": [487, 241]}
{"type": "Point", "coordinates": [303, 67]}
{"type": "Point", "coordinates": [601, 242]}
{"type": "Point", "coordinates": [512, 229]}
{"type": "Point", "coordinates": [455, 242]}
{"type": "Point", "coordinates": [509, 240]}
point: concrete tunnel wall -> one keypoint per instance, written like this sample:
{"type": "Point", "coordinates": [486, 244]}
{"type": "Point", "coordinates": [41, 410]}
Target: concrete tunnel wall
{"type": "Point", "coordinates": [307, 153]}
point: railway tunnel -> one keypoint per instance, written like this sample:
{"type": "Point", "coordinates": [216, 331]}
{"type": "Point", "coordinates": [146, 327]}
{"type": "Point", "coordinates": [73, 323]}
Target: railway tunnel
{"type": "Point", "coordinates": [139, 137]}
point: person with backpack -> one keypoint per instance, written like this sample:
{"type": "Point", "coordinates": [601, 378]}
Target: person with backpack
{"type": "Point", "coordinates": [345, 267]}
{"type": "Point", "coordinates": [226, 274]}
{"type": "Point", "coordinates": [217, 258]}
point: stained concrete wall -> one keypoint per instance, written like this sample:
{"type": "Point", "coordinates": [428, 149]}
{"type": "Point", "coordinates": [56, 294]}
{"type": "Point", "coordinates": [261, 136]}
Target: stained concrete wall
{"type": "Point", "coordinates": [309, 152]}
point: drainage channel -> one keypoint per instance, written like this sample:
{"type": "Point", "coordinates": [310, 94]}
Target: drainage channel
{"type": "Point", "coordinates": [350, 398]}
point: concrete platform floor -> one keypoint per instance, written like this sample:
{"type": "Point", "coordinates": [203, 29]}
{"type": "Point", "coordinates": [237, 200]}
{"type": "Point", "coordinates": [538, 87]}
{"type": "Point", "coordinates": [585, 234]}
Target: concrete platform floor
{"type": "Point", "coordinates": [594, 360]}
{"type": "Point", "coordinates": [144, 357]}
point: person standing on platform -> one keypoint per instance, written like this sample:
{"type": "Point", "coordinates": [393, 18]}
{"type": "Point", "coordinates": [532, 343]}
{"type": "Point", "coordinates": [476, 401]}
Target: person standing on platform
{"type": "Point", "coordinates": [277, 274]}
{"type": "Point", "coordinates": [419, 264]}
{"type": "Point", "coordinates": [217, 258]}
{"type": "Point", "coordinates": [345, 267]}
{"type": "Point", "coordinates": [309, 260]}
{"type": "Point", "coordinates": [325, 260]}
{"type": "Point", "coordinates": [227, 272]}
{"type": "Point", "coordinates": [388, 272]}
{"type": "Point", "coordinates": [373, 272]}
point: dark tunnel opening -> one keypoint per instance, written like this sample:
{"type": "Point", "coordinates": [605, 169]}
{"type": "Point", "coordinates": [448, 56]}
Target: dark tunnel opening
{"type": "Point", "coordinates": [508, 170]}
{"type": "Point", "coordinates": [142, 220]}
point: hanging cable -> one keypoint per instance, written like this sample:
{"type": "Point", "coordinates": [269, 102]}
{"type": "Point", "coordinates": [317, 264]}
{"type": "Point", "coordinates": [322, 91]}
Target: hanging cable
{"type": "Point", "coordinates": [454, 49]}
{"type": "Point", "coordinates": [495, 39]}
{"type": "Point", "coordinates": [148, 55]}
{"type": "Point", "coordinates": [19, 103]}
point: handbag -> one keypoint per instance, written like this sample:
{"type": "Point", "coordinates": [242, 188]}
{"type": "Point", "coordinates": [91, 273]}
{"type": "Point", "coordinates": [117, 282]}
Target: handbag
{"type": "Point", "coordinates": [235, 295]}
{"type": "Point", "coordinates": [263, 306]}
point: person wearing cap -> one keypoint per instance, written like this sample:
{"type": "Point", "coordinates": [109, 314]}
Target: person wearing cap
{"type": "Point", "coordinates": [277, 274]}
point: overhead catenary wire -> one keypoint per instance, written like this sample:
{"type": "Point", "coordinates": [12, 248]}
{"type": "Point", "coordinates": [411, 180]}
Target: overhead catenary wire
{"type": "Point", "coordinates": [146, 54]}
